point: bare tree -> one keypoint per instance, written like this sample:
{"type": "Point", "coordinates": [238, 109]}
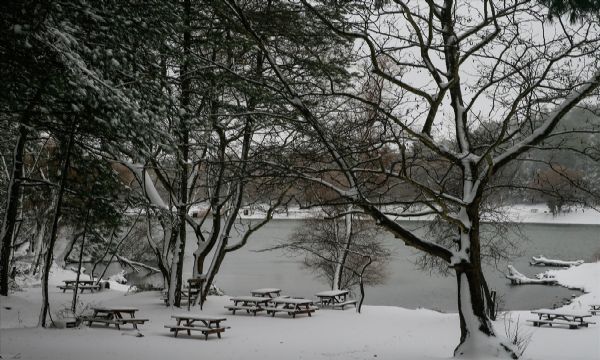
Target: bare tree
{"type": "Point", "coordinates": [337, 248]}
{"type": "Point", "coordinates": [457, 63]}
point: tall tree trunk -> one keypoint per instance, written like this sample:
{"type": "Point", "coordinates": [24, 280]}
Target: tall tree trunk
{"type": "Point", "coordinates": [50, 249]}
{"type": "Point", "coordinates": [183, 147]}
{"type": "Point", "coordinates": [173, 271]}
{"type": "Point", "coordinates": [477, 336]}
{"type": "Point", "coordinates": [39, 243]}
{"type": "Point", "coordinates": [10, 214]}
{"type": "Point", "coordinates": [339, 267]}
{"type": "Point", "coordinates": [85, 226]}
{"type": "Point", "coordinates": [215, 265]}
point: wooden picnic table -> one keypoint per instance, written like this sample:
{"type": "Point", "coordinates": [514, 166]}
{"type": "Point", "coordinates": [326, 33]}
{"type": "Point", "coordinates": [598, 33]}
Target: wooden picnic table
{"type": "Point", "coordinates": [292, 306]}
{"type": "Point", "coordinates": [194, 288]}
{"type": "Point", "coordinates": [114, 315]}
{"type": "Point", "coordinates": [84, 282]}
{"type": "Point", "coordinates": [209, 324]}
{"type": "Point", "coordinates": [90, 285]}
{"type": "Point", "coordinates": [266, 292]}
{"type": "Point", "coordinates": [548, 317]}
{"type": "Point", "coordinates": [335, 298]}
{"type": "Point", "coordinates": [252, 304]}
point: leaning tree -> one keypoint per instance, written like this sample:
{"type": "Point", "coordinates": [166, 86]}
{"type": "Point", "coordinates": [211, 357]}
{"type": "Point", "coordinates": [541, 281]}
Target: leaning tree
{"type": "Point", "coordinates": [452, 67]}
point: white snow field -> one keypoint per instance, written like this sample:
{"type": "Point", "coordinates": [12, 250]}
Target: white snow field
{"type": "Point", "coordinates": [380, 332]}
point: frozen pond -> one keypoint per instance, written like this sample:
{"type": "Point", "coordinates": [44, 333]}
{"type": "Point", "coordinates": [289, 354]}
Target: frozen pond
{"type": "Point", "coordinates": [406, 285]}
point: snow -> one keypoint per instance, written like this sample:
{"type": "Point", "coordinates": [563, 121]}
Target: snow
{"type": "Point", "coordinates": [539, 214]}
{"type": "Point", "coordinates": [476, 342]}
{"type": "Point", "coordinates": [530, 213]}
{"type": "Point", "coordinates": [518, 278]}
{"type": "Point", "coordinates": [382, 332]}
{"type": "Point", "coordinates": [544, 261]}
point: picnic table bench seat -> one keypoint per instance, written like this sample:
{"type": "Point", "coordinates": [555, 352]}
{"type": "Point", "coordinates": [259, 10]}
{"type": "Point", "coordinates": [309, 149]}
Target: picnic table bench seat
{"type": "Point", "coordinates": [291, 311]}
{"type": "Point", "coordinates": [249, 308]}
{"type": "Point", "coordinates": [570, 324]}
{"type": "Point", "coordinates": [108, 321]}
{"type": "Point", "coordinates": [189, 328]}
{"type": "Point", "coordinates": [343, 304]}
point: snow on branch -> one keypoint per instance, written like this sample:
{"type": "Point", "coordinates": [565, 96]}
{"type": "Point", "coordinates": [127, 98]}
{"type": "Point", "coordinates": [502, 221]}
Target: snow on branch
{"type": "Point", "coordinates": [145, 181]}
{"type": "Point", "coordinates": [135, 265]}
{"type": "Point", "coordinates": [543, 261]}
{"type": "Point", "coordinates": [516, 278]}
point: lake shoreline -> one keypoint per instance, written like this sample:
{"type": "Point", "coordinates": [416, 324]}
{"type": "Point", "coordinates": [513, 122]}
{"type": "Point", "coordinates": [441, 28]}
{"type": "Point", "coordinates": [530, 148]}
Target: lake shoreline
{"type": "Point", "coordinates": [519, 214]}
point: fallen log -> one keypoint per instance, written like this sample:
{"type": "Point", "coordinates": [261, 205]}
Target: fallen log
{"type": "Point", "coordinates": [516, 278]}
{"type": "Point", "coordinates": [543, 261]}
{"type": "Point", "coordinates": [135, 265]}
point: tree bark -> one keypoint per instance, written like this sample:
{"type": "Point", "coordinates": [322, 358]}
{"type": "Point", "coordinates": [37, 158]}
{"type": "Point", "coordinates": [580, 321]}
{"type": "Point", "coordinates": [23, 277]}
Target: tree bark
{"type": "Point", "coordinates": [40, 236]}
{"type": "Point", "coordinates": [50, 249]}
{"type": "Point", "coordinates": [10, 215]}
{"type": "Point", "coordinates": [339, 268]}
{"type": "Point", "coordinates": [477, 336]}
{"type": "Point", "coordinates": [183, 149]}
{"type": "Point", "coordinates": [74, 302]}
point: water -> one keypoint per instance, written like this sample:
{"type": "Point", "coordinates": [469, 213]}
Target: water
{"type": "Point", "coordinates": [406, 286]}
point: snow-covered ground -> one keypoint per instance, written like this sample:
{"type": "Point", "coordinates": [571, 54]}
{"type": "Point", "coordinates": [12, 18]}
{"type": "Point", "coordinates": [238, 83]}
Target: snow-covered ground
{"type": "Point", "coordinates": [380, 332]}
{"type": "Point", "coordinates": [531, 213]}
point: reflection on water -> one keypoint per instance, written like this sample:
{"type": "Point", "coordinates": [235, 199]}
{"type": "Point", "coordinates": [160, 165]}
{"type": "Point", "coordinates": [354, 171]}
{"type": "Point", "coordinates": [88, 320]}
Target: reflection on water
{"type": "Point", "coordinates": [406, 285]}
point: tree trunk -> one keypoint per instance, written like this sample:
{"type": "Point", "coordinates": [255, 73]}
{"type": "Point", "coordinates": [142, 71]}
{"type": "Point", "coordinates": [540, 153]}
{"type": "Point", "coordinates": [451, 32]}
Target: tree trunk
{"type": "Point", "coordinates": [49, 251]}
{"type": "Point", "coordinates": [74, 302]}
{"type": "Point", "coordinates": [63, 257]}
{"type": "Point", "coordinates": [10, 215]}
{"type": "Point", "coordinates": [477, 336]}
{"type": "Point", "coordinates": [183, 149]}
{"type": "Point", "coordinates": [339, 267]}
{"type": "Point", "coordinates": [40, 236]}
{"type": "Point", "coordinates": [214, 266]}
{"type": "Point", "coordinates": [101, 258]}
{"type": "Point", "coordinates": [173, 273]}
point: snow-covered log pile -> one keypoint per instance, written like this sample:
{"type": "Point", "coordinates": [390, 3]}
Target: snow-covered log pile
{"type": "Point", "coordinates": [516, 278]}
{"type": "Point", "coordinates": [543, 261]}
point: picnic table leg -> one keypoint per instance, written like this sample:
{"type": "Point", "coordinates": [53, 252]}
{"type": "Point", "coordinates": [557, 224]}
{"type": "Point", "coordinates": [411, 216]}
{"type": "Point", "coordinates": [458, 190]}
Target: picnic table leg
{"type": "Point", "coordinates": [189, 323]}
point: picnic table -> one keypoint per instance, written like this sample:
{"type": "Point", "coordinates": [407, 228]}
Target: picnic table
{"type": "Point", "coordinates": [252, 304]}
{"type": "Point", "coordinates": [90, 285]}
{"type": "Point", "coordinates": [187, 294]}
{"type": "Point", "coordinates": [595, 309]}
{"type": "Point", "coordinates": [560, 317]}
{"type": "Point", "coordinates": [207, 324]}
{"type": "Point", "coordinates": [266, 292]}
{"type": "Point", "coordinates": [84, 282]}
{"type": "Point", "coordinates": [292, 306]}
{"type": "Point", "coordinates": [114, 315]}
{"type": "Point", "coordinates": [335, 298]}
{"type": "Point", "coordinates": [194, 288]}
